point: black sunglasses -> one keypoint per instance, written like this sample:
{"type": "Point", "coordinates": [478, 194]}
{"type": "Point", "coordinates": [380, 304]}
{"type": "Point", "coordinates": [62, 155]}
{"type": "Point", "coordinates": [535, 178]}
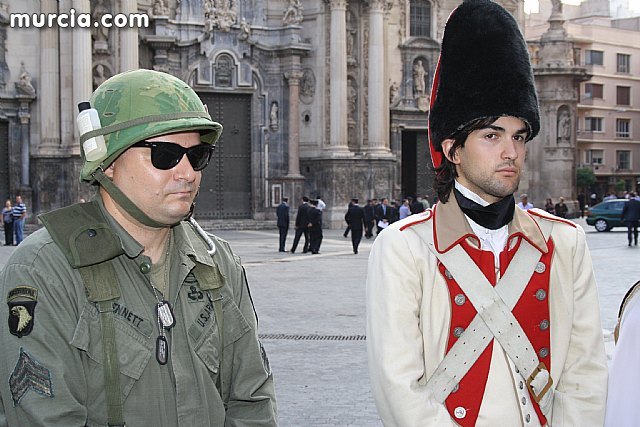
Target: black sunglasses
{"type": "Point", "coordinates": [166, 155]}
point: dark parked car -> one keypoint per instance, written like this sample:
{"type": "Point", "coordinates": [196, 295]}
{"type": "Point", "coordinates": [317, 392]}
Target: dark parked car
{"type": "Point", "coordinates": [606, 215]}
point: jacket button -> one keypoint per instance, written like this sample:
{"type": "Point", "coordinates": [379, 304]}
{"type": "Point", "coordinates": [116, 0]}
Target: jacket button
{"type": "Point", "coordinates": [544, 325]}
{"type": "Point", "coordinates": [541, 294]}
{"type": "Point", "coordinates": [455, 388]}
{"type": "Point", "coordinates": [458, 331]}
{"type": "Point", "coordinates": [524, 400]}
{"type": "Point", "coordinates": [446, 273]}
{"type": "Point", "coordinates": [540, 267]}
{"type": "Point", "coordinates": [145, 268]}
{"type": "Point", "coordinates": [459, 412]}
{"type": "Point", "coordinates": [460, 299]}
{"type": "Point", "coordinates": [521, 385]}
{"type": "Point", "coordinates": [544, 352]}
{"type": "Point", "coordinates": [527, 418]}
{"type": "Point", "coordinates": [91, 232]}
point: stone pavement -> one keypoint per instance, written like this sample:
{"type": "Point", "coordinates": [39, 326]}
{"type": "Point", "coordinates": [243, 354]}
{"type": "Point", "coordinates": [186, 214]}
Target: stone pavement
{"type": "Point", "coordinates": [311, 318]}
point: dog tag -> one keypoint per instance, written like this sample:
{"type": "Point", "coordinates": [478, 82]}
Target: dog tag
{"type": "Point", "coordinates": [162, 350]}
{"type": "Point", "coordinates": [165, 315]}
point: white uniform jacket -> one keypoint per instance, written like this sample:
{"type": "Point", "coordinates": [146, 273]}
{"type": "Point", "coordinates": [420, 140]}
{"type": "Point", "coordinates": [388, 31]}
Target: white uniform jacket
{"type": "Point", "coordinates": [414, 308]}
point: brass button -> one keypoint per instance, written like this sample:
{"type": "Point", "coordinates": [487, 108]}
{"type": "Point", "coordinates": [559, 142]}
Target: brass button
{"type": "Point", "coordinates": [541, 294]}
{"type": "Point", "coordinates": [458, 331]}
{"type": "Point", "coordinates": [460, 299]}
{"type": "Point", "coordinates": [544, 325]}
{"type": "Point", "coordinates": [145, 268]}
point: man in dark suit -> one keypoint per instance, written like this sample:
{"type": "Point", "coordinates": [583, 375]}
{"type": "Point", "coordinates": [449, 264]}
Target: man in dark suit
{"type": "Point", "coordinates": [355, 218]}
{"type": "Point", "coordinates": [383, 213]}
{"type": "Point", "coordinates": [416, 206]}
{"type": "Point", "coordinates": [315, 227]}
{"type": "Point", "coordinates": [631, 215]}
{"type": "Point", "coordinates": [369, 219]}
{"type": "Point", "coordinates": [301, 226]}
{"type": "Point", "coordinates": [283, 221]}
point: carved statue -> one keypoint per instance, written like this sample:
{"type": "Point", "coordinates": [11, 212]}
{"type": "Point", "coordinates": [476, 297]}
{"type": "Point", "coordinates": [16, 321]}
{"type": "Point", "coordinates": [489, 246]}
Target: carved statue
{"type": "Point", "coordinates": [100, 34]}
{"type": "Point", "coordinates": [220, 14]}
{"type": "Point", "coordinates": [419, 78]}
{"type": "Point", "coordinates": [273, 116]}
{"type": "Point", "coordinates": [245, 30]}
{"type": "Point", "coordinates": [556, 7]}
{"type": "Point", "coordinates": [352, 98]}
{"type": "Point", "coordinates": [293, 13]}
{"type": "Point", "coordinates": [393, 92]}
{"type": "Point", "coordinates": [160, 9]}
{"type": "Point", "coordinates": [564, 126]}
{"type": "Point", "coordinates": [24, 86]}
{"type": "Point", "coordinates": [98, 76]}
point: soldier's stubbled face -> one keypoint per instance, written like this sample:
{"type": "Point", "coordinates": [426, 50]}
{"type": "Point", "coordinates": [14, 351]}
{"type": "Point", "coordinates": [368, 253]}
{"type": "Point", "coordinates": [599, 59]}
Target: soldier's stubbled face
{"type": "Point", "coordinates": [164, 195]}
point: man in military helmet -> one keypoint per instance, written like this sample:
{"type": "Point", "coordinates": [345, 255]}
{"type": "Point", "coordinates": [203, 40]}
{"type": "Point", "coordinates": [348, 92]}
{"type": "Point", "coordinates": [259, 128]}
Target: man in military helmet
{"type": "Point", "coordinates": [480, 313]}
{"type": "Point", "coordinates": [122, 310]}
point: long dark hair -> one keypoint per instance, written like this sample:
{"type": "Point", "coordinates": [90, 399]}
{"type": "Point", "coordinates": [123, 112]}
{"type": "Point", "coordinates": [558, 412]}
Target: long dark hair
{"type": "Point", "coordinates": [445, 174]}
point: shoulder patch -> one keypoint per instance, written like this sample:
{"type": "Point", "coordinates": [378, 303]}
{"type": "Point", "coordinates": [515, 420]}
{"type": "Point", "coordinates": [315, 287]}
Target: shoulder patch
{"type": "Point", "coordinates": [22, 302]}
{"type": "Point", "coordinates": [29, 375]}
{"type": "Point", "coordinates": [419, 218]}
{"type": "Point", "coordinates": [546, 215]}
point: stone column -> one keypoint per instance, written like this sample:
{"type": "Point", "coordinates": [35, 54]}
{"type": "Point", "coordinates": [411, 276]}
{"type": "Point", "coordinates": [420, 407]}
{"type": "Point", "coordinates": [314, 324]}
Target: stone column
{"type": "Point", "coordinates": [82, 65]}
{"type": "Point", "coordinates": [338, 86]}
{"type": "Point", "coordinates": [129, 39]}
{"type": "Point", "coordinates": [293, 77]}
{"type": "Point", "coordinates": [378, 101]}
{"type": "Point", "coordinates": [49, 87]}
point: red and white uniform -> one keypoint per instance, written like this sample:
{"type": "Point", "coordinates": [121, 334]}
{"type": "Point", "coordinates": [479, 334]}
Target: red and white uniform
{"type": "Point", "coordinates": [416, 312]}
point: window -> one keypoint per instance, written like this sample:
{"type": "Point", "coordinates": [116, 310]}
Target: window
{"type": "Point", "coordinates": [420, 18]}
{"type": "Point", "coordinates": [624, 159]}
{"type": "Point", "coordinates": [623, 95]}
{"type": "Point", "coordinates": [593, 91]}
{"type": "Point", "coordinates": [593, 57]}
{"type": "Point", "coordinates": [623, 63]}
{"type": "Point", "coordinates": [622, 128]}
{"type": "Point", "coordinates": [594, 157]}
{"type": "Point", "coordinates": [593, 124]}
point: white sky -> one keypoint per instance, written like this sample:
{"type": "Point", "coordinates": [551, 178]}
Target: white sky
{"type": "Point", "coordinates": [531, 6]}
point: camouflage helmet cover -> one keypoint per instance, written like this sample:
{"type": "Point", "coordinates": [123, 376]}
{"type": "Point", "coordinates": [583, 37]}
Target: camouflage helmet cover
{"type": "Point", "coordinates": [141, 104]}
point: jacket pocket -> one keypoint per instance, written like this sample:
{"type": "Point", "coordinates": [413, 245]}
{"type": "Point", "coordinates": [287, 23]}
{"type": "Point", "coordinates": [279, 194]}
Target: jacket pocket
{"type": "Point", "coordinates": [206, 340]}
{"type": "Point", "coordinates": [134, 350]}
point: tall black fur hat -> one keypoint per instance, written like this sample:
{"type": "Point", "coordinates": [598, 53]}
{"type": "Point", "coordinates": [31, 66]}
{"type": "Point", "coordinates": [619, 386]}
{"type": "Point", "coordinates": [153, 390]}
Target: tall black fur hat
{"type": "Point", "coordinates": [483, 71]}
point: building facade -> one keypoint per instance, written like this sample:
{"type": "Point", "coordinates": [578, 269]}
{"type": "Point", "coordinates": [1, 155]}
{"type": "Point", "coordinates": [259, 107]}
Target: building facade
{"type": "Point", "coordinates": [608, 112]}
{"type": "Point", "coordinates": [321, 98]}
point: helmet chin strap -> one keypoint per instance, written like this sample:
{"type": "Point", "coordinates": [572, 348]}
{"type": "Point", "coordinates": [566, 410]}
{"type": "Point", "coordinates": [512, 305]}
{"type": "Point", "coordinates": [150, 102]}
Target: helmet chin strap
{"type": "Point", "coordinates": [126, 203]}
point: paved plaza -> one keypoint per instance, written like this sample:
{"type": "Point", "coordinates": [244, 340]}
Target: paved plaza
{"type": "Point", "coordinates": [311, 318]}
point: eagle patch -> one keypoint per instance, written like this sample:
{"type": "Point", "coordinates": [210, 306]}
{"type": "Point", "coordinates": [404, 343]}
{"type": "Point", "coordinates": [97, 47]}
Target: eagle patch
{"type": "Point", "coordinates": [22, 302]}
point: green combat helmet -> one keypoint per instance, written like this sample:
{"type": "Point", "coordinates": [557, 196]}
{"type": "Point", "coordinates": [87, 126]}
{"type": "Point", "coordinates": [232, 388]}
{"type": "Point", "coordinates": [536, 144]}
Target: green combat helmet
{"type": "Point", "coordinates": [138, 105]}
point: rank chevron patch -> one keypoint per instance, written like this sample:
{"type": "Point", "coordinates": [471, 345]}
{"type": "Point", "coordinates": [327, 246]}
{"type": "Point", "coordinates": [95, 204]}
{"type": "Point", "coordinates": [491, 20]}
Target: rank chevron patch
{"type": "Point", "coordinates": [29, 374]}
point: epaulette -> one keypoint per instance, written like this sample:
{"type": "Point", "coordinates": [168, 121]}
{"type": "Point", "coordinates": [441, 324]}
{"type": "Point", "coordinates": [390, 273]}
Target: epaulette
{"type": "Point", "coordinates": [627, 297]}
{"type": "Point", "coordinates": [418, 218]}
{"type": "Point", "coordinates": [546, 215]}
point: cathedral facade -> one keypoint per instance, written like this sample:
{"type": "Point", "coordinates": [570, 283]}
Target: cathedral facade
{"type": "Point", "coordinates": [324, 98]}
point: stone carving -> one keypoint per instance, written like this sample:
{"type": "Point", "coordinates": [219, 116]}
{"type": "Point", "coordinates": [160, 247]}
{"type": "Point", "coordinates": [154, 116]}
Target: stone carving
{"type": "Point", "coordinates": [273, 116]}
{"type": "Point", "coordinates": [307, 86]}
{"type": "Point", "coordinates": [351, 35]}
{"type": "Point", "coordinates": [23, 85]}
{"type": "Point", "coordinates": [293, 13]}
{"type": "Point", "coordinates": [224, 71]}
{"type": "Point", "coordinates": [160, 9]}
{"type": "Point", "coordinates": [352, 102]}
{"type": "Point", "coordinates": [564, 125]}
{"type": "Point", "coordinates": [99, 75]}
{"type": "Point", "coordinates": [220, 14]}
{"type": "Point", "coordinates": [100, 34]}
{"type": "Point", "coordinates": [419, 78]}
{"type": "Point", "coordinates": [556, 7]}
{"type": "Point", "coordinates": [245, 30]}
{"type": "Point", "coordinates": [393, 92]}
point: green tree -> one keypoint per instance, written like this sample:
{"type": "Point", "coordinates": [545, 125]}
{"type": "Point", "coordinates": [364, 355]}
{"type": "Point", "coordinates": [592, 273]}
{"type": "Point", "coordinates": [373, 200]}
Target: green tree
{"type": "Point", "coordinates": [585, 178]}
{"type": "Point", "coordinates": [620, 185]}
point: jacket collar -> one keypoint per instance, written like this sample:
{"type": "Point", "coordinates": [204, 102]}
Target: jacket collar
{"type": "Point", "coordinates": [450, 227]}
{"type": "Point", "coordinates": [187, 242]}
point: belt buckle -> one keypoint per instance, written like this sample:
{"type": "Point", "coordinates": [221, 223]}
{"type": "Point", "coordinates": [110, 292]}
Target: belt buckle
{"type": "Point", "coordinates": [538, 397]}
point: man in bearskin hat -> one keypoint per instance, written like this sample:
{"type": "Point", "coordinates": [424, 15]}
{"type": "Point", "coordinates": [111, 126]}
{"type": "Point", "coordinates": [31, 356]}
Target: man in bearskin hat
{"type": "Point", "coordinates": [490, 316]}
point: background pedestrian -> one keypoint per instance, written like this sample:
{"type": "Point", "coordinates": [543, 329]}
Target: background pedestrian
{"type": "Point", "coordinates": [282, 213]}
{"type": "Point", "coordinates": [7, 220]}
